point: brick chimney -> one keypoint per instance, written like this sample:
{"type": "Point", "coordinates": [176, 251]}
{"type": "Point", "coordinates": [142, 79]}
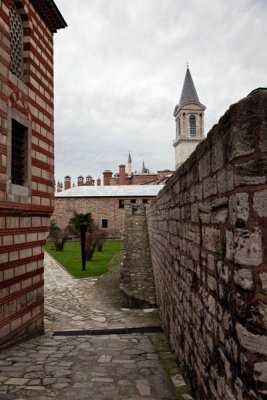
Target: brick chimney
{"type": "Point", "coordinates": [88, 180]}
{"type": "Point", "coordinates": [80, 181]}
{"type": "Point", "coordinates": [122, 175]}
{"type": "Point", "coordinates": [67, 182]}
{"type": "Point", "coordinates": [98, 182]}
{"type": "Point", "coordinates": [107, 175]}
{"type": "Point", "coordinates": [92, 182]}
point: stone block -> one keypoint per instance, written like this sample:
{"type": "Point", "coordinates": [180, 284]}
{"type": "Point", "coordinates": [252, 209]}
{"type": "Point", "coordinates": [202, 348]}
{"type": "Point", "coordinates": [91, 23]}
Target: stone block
{"type": "Point", "coordinates": [244, 279]}
{"type": "Point", "coordinates": [260, 371]}
{"type": "Point", "coordinates": [254, 172]}
{"type": "Point", "coordinates": [250, 341]}
{"type": "Point", "coordinates": [209, 186]}
{"type": "Point", "coordinates": [238, 208]}
{"type": "Point", "coordinates": [240, 142]}
{"type": "Point", "coordinates": [225, 180]}
{"type": "Point", "coordinates": [217, 156]}
{"type": "Point", "coordinates": [248, 247]}
{"type": "Point", "coordinates": [263, 136]}
{"type": "Point", "coordinates": [260, 203]}
{"type": "Point", "coordinates": [212, 239]}
{"type": "Point", "coordinates": [263, 279]}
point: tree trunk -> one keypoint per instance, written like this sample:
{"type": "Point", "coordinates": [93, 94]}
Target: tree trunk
{"type": "Point", "coordinates": [82, 232]}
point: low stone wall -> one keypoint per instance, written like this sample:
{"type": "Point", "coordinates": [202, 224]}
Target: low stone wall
{"type": "Point", "coordinates": [137, 286]}
{"type": "Point", "coordinates": [207, 231]}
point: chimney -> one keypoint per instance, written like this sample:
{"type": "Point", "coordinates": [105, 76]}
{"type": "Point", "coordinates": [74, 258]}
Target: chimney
{"type": "Point", "coordinates": [67, 182]}
{"type": "Point", "coordinates": [98, 182]}
{"type": "Point", "coordinates": [92, 182]}
{"type": "Point", "coordinates": [80, 180]}
{"type": "Point", "coordinates": [88, 180]}
{"type": "Point", "coordinates": [107, 175]}
{"type": "Point", "coordinates": [122, 175]}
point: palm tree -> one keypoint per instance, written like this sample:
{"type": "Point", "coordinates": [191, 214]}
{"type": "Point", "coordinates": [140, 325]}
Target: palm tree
{"type": "Point", "coordinates": [80, 224]}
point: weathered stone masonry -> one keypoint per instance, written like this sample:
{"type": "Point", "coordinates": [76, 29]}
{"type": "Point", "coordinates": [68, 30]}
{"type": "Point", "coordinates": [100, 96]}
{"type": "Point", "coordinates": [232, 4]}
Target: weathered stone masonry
{"type": "Point", "coordinates": [207, 232]}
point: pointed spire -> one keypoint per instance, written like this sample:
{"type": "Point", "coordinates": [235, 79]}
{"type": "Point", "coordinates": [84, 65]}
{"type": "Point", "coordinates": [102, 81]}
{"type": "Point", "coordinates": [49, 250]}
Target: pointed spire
{"type": "Point", "coordinates": [189, 93]}
{"type": "Point", "coordinates": [143, 167]}
{"type": "Point", "coordinates": [129, 157]}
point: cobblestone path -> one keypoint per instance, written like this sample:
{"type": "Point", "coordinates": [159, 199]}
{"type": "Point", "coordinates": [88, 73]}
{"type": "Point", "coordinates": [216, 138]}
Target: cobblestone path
{"type": "Point", "coordinates": [104, 367]}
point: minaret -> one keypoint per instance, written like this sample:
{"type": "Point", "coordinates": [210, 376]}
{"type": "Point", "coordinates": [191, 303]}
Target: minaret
{"type": "Point", "coordinates": [189, 117]}
{"type": "Point", "coordinates": [129, 164]}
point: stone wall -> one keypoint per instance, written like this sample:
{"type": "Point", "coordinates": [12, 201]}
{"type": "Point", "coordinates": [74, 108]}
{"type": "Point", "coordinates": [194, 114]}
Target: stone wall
{"type": "Point", "coordinates": [137, 285]}
{"type": "Point", "coordinates": [207, 231]}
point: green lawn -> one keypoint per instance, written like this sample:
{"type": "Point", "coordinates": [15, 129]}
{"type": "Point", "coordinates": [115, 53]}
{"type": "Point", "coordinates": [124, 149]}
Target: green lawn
{"type": "Point", "coordinates": [71, 259]}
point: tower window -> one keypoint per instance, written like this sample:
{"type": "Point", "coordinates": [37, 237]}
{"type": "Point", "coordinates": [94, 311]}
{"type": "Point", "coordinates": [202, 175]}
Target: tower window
{"type": "Point", "coordinates": [16, 40]}
{"type": "Point", "coordinates": [192, 125]}
{"type": "Point", "coordinates": [19, 153]}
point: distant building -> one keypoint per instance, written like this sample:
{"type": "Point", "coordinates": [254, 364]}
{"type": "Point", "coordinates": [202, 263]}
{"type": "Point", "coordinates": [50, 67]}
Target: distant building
{"type": "Point", "coordinates": [26, 161]}
{"type": "Point", "coordinates": [189, 119]}
{"type": "Point", "coordinates": [144, 176]}
{"type": "Point", "coordinates": [105, 203]}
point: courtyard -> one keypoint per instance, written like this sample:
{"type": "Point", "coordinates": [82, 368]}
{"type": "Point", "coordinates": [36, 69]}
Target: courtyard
{"type": "Point", "coordinates": [68, 363]}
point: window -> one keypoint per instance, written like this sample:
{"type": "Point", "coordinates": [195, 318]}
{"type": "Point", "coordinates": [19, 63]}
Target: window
{"type": "Point", "coordinates": [192, 125]}
{"type": "Point", "coordinates": [133, 201]}
{"type": "Point", "coordinates": [145, 201]}
{"type": "Point", "coordinates": [104, 223]}
{"type": "Point", "coordinates": [19, 155]}
{"type": "Point", "coordinates": [16, 40]}
{"type": "Point", "coordinates": [121, 203]}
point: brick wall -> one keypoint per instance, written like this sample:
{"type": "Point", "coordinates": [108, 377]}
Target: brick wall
{"type": "Point", "coordinates": [207, 232]}
{"type": "Point", "coordinates": [99, 207]}
{"type": "Point", "coordinates": [25, 209]}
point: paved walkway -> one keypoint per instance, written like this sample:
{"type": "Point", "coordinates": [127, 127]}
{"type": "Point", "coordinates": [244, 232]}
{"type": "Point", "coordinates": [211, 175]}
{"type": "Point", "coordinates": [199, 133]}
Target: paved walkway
{"type": "Point", "coordinates": [106, 367]}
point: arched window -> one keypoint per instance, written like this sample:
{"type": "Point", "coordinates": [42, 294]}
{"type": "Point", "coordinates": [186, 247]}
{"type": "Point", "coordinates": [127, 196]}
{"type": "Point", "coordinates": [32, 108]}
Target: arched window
{"type": "Point", "coordinates": [16, 40]}
{"type": "Point", "coordinates": [192, 125]}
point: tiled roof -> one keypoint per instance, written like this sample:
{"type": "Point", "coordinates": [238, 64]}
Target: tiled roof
{"type": "Point", "coordinates": [50, 14]}
{"type": "Point", "coordinates": [189, 93]}
{"type": "Point", "coordinates": [111, 191]}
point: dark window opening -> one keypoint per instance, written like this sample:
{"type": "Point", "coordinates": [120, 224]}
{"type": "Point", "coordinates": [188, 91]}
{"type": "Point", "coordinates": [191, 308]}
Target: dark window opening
{"type": "Point", "coordinates": [18, 153]}
{"type": "Point", "coordinates": [121, 203]}
{"type": "Point", "coordinates": [192, 125]}
{"type": "Point", "coordinates": [145, 201]}
{"type": "Point", "coordinates": [104, 223]}
{"type": "Point", "coordinates": [133, 201]}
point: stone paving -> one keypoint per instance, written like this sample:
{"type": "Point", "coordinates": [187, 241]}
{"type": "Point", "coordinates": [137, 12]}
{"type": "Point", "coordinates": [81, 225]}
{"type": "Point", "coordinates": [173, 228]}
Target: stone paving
{"type": "Point", "coordinates": [106, 367]}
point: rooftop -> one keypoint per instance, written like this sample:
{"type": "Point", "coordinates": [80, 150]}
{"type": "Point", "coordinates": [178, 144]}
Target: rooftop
{"type": "Point", "coordinates": [189, 93]}
{"type": "Point", "coordinates": [50, 14]}
{"type": "Point", "coordinates": [111, 191]}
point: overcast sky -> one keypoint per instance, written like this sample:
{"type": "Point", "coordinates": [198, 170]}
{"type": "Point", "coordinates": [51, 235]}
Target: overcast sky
{"type": "Point", "coordinates": [120, 67]}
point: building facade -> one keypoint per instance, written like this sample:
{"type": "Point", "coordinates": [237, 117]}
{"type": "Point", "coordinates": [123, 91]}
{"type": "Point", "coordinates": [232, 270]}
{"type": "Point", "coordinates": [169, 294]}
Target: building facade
{"type": "Point", "coordinates": [189, 121]}
{"type": "Point", "coordinates": [26, 159]}
{"type": "Point", "coordinates": [105, 203]}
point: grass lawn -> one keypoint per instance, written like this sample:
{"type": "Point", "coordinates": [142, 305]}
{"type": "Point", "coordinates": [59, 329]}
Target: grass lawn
{"type": "Point", "coordinates": [71, 259]}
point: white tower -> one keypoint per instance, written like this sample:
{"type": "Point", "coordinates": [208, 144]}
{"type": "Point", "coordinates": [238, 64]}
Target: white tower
{"type": "Point", "coordinates": [189, 117]}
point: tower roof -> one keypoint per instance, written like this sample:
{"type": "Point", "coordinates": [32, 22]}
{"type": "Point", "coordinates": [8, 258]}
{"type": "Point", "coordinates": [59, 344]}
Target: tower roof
{"type": "Point", "coordinates": [189, 93]}
{"type": "Point", "coordinates": [129, 158]}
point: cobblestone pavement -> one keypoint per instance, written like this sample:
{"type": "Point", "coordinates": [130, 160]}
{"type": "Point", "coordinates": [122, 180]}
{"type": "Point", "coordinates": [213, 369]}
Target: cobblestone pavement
{"type": "Point", "coordinates": [106, 367]}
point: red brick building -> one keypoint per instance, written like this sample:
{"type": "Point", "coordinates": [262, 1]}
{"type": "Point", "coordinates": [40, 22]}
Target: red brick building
{"type": "Point", "coordinates": [26, 159]}
{"type": "Point", "coordinates": [144, 176]}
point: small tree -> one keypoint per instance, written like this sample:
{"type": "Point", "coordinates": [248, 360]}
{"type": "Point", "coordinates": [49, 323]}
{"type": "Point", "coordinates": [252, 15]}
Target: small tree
{"type": "Point", "coordinates": [90, 244]}
{"type": "Point", "coordinates": [101, 236]}
{"type": "Point", "coordinates": [80, 224]}
{"type": "Point", "coordinates": [58, 236]}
